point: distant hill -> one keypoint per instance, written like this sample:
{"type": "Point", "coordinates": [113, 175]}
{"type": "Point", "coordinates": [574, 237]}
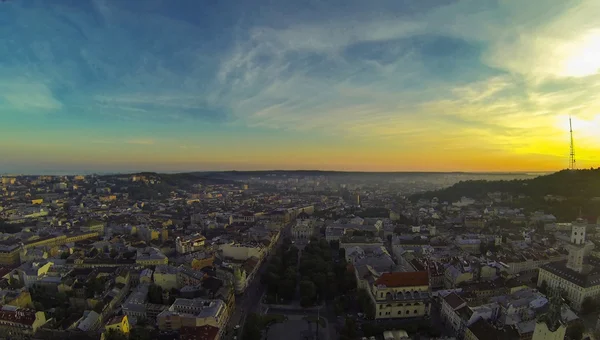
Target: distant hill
{"type": "Point", "coordinates": [578, 187]}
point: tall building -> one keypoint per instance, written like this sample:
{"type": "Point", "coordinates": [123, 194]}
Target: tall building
{"type": "Point", "coordinates": [576, 248]}
{"type": "Point", "coordinates": [578, 277]}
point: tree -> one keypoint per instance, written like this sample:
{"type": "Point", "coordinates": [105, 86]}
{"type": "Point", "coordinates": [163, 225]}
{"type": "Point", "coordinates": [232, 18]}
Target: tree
{"type": "Point", "coordinates": [155, 294]}
{"type": "Point", "coordinates": [114, 334]}
{"type": "Point", "coordinates": [94, 286]}
{"type": "Point", "coordinates": [575, 330]}
{"type": "Point", "coordinates": [140, 333]}
{"type": "Point", "coordinates": [342, 253]}
{"type": "Point", "coordinates": [99, 307]}
{"type": "Point", "coordinates": [308, 292]}
{"type": "Point", "coordinates": [350, 330]}
{"type": "Point", "coordinates": [589, 305]}
{"type": "Point", "coordinates": [364, 300]}
{"type": "Point", "coordinates": [334, 244]}
{"type": "Point", "coordinates": [483, 247]}
{"type": "Point", "coordinates": [252, 328]}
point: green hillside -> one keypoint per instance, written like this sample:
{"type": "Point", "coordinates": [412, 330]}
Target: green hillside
{"type": "Point", "coordinates": [579, 187]}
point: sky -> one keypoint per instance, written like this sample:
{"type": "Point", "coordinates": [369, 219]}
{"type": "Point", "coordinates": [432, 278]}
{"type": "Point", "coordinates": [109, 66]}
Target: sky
{"type": "Point", "coordinates": [378, 85]}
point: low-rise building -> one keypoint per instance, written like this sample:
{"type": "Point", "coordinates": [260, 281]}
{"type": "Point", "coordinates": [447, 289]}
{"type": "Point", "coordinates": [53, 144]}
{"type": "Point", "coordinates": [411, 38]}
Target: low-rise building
{"type": "Point", "coordinates": [10, 254]}
{"type": "Point", "coordinates": [165, 276]}
{"type": "Point", "coordinates": [242, 252]}
{"type": "Point", "coordinates": [194, 313]}
{"type": "Point", "coordinates": [189, 244]}
{"type": "Point", "coordinates": [118, 323]}
{"type": "Point", "coordinates": [19, 323]}
{"type": "Point", "coordinates": [401, 295]}
{"type": "Point", "coordinates": [151, 257]}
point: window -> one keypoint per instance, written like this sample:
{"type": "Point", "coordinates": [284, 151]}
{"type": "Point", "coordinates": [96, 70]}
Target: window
{"type": "Point", "coordinates": [407, 312]}
{"type": "Point", "coordinates": [416, 311]}
{"type": "Point", "coordinates": [399, 312]}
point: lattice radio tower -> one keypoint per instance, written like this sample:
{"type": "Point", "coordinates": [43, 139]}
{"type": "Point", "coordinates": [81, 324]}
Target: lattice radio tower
{"type": "Point", "coordinates": [572, 150]}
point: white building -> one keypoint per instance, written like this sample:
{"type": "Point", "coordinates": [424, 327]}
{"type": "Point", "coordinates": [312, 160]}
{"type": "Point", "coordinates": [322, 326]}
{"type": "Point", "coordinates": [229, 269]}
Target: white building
{"type": "Point", "coordinates": [242, 252]}
{"type": "Point", "coordinates": [303, 229]}
{"type": "Point", "coordinates": [189, 244]}
{"type": "Point", "coordinates": [578, 277]}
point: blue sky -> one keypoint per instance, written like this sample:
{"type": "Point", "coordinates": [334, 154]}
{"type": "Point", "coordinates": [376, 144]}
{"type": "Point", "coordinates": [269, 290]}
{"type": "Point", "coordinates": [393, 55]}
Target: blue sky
{"type": "Point", "coordinates": [112, 85]}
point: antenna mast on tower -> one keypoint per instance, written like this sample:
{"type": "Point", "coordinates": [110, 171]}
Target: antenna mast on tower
{"type": "Point", "coordinates": [572, 152]}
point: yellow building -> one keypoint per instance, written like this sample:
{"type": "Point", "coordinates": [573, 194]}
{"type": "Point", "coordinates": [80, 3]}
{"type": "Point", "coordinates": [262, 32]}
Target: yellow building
{"type": "Point", "coordinates": [37, 201]}
{"type": "Point", "coordinates": [8, 180]}
{"type": "Point", "coordinates": [10, 255]}
{"type": "Point", "coordinates": [118, 323]}
{"type": "Point", "coordinates": [166, 277]}
{"type": "Point", "coordinates": [483, 330]}
{"type": "Point", "coordinates": [93, 226]}
{"type": "Point", "coordinates": [401, 295]}
{"type": "Point", "coordinates": [200, 263]}
{"type": "Point", "coordinates": [20, 299]}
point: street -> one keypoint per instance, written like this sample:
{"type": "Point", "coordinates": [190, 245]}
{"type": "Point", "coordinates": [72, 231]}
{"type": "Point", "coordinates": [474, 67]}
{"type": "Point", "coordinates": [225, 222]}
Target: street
{"type": "Point", "coordinates": [249, 301]}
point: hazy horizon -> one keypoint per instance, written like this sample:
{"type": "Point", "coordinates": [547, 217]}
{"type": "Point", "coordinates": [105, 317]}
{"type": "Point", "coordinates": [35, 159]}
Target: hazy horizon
{"type": "Point", "coordinates": [90, 172]}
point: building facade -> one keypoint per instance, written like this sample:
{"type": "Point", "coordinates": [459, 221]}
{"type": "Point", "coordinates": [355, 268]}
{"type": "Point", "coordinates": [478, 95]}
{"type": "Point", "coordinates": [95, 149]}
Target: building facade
{"type": "Point", "coordinates": [401, 295]}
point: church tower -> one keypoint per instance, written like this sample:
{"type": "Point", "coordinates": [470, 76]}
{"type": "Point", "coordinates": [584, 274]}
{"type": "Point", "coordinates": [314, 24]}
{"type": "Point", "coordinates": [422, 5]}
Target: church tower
{"type": "Point", "coordinates": [551, 326]}
{"type": "Point", "coordinates": [576, 248]}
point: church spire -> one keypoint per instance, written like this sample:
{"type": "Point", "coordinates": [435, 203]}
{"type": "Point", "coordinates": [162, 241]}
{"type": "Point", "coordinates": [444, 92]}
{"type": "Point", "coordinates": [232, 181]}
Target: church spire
{"type": "Point", "coordinates": [553, 317]}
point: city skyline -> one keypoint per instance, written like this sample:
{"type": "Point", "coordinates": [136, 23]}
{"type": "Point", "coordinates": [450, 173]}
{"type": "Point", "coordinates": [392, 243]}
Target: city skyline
{"type": "Point", "coordinates": [474, 86]}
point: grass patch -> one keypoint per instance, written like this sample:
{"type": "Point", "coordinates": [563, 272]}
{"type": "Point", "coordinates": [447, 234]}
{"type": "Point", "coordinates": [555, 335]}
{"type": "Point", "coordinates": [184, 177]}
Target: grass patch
{"type": "Point", "coordinates": [312, 318]}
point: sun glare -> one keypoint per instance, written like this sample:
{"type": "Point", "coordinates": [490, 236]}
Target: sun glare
{"type": "Point", "coordinates": [584, 130]}
{"type": "Point", "coordinates": [584, 56]}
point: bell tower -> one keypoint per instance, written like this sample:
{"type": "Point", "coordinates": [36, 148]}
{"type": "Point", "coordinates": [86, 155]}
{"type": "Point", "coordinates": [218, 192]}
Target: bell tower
{"type": "Point", "coordinates": [576, 248]}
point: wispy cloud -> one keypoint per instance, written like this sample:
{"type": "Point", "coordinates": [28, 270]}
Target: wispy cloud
{"type": "Point", "coordinates": [24, 96]}
{"type": "Point", "coordinates": [434, 72]}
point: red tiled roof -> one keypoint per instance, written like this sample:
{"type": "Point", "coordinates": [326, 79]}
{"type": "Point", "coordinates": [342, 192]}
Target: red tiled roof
{"type": "Point", "coordinates": [403, 279]}
{"type": "Point", "coordinates": [20, 316]}
{"type": "Point", "coordinates": [205, 332]}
